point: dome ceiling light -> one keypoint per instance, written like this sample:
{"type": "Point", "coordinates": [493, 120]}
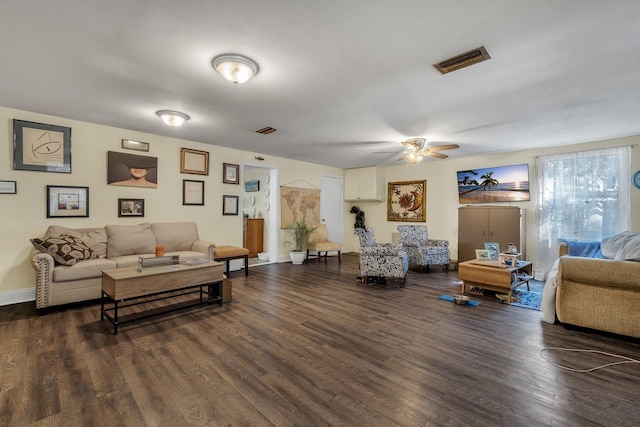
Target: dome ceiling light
{"type": "Point", "coordinates": [237, 69]}
{"type": "Point", "coordinates": [173, 118]}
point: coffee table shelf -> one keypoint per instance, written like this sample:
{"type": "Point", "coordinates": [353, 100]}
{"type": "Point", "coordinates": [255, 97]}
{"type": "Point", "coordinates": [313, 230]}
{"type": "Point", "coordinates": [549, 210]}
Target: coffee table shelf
{"type": "Point", "coordinates": [494, 276]}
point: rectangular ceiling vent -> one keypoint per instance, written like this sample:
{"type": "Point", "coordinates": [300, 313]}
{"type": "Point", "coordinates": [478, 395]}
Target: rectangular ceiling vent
{"type": "Point", "coordinates": [463, 60]}
{"type": "Point", "coordinates": [266, 130]}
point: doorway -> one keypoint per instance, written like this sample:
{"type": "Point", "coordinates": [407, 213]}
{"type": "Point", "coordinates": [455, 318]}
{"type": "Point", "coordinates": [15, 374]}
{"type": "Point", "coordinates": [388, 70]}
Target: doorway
{"type": "Point", "coordinates": [259, 210]}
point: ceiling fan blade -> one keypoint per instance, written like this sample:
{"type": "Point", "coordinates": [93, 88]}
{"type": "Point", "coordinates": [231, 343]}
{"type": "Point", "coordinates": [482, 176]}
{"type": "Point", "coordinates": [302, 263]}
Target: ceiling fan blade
{"type": "Point", "coordinates": [438, 155]}
{"type": "Point", "coordinates": [443, 147]}
{"type": "Point", "coordinates": [404, 157]}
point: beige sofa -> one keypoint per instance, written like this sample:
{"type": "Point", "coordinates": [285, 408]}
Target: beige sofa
{"type": "Point", "coordinates": [602, 294]}
{"type": "Point", "coordinates": [109, 247]}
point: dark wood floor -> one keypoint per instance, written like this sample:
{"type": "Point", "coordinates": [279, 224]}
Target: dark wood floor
{"type": "Point", "coordinates": [307, 345]}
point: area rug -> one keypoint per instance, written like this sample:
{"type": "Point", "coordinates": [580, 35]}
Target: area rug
{"type": "Point", "coordinates": [449, 298]}
{"type": "Point", "coordinates": [527, 299]}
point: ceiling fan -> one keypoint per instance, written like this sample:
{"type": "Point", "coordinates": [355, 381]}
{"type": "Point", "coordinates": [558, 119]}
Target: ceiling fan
{"type": "Point", "coordinates": [417, 150]}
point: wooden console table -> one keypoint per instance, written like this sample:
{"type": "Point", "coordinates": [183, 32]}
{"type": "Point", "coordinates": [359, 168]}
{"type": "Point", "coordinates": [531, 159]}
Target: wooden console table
{"type": "Point", "coordinates": [126, 287]}
{"type": "Point", "coordinates": [494, 276]}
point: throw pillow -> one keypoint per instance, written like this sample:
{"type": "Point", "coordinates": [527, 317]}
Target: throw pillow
{"type": "Point", "coordinates": [129, 240]}
{"type": "Point", "coordinates": [95, 238]}
{"type": "Point", "coordinates": [622, 246]}
{"type": "Point", "coordinates": [65, 249]}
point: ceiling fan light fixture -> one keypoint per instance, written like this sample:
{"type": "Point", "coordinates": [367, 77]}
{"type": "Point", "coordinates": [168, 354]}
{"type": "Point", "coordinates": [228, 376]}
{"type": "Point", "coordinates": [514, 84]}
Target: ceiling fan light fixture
{"type": "Point", "coordinates": [173, 118]}
{"type": "Point", "coordinates": [237, 69]}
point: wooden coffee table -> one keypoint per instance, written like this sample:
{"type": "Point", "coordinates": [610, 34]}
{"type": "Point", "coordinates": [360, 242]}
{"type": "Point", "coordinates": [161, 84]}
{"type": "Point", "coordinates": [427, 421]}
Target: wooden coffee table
{"type": "Point", "coordinates": [126, 287]}
{"type": "Point", "coordinates": [494, 276]}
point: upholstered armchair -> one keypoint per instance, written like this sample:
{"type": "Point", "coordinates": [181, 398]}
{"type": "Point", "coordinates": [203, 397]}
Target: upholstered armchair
{"type": "Point", "coordinates": [319, 242]}
{"type": "Point", "coordinates": [423, 251]}
{"type": "Point", "coordinates": [381, 260]}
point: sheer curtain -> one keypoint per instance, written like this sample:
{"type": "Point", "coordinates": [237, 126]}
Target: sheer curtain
{"type": "Point", "coordinates": [581, 196]}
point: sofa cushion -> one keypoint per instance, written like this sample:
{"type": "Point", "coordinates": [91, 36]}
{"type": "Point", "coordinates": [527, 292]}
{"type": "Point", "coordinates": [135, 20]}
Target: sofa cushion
{"type": "Point", "coordinates": [82, 270]}
{"type": "Point", "coordinates": [129, 240]}
{"type": "Point", "coordinates": [65, 250]}
{"type": "Point", "coordinates": [95, 238]}
{"type": "Point", "coordinates": [624, 246]}
{"type": "Point", "coordinates": [175, 236]}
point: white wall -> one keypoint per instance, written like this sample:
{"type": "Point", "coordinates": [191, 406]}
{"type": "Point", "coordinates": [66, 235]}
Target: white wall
{"type": "Point", "coordinates": [23, 215]}
{"type": "Point", "coordinates": [442, 192]}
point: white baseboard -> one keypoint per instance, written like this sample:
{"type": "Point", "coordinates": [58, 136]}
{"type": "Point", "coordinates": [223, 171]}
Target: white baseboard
{"type": "Point", "coordinates": [17, 296]}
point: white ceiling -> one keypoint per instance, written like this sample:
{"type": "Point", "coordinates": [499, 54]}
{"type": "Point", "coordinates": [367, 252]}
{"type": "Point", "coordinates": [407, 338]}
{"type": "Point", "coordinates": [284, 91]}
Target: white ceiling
{"type": "Point", "coordinates": [340, 80]}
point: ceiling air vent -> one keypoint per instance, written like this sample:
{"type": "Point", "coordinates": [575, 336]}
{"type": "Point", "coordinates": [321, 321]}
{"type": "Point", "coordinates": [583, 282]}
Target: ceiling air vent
{"type": "Point", "coordinates": [266, 130]}
{"type": "Point", "coordinates": [463, 60]}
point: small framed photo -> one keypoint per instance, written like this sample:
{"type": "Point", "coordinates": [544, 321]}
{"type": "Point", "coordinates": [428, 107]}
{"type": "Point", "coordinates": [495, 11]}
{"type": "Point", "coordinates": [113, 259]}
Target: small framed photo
{"type": "Point", "coordinates": [493, 248]}
{"type": "Point", "coordinates": [194, 161]}
{"type": "Point", "coordinates": [230, 173]}
{"type": "Point", "coordinates": [8, 187]}
{"type": "Point", "coordinates": [482, 255]}
{"type": "Point", "coordinates": [130, 207]}
{"type": "Point", "coordinates": [251, 186]}
{"type": "Point", "coordinates": [41, 147]}
{"type": "Point", "coordinates": [130, 144]}
{"type": "Point", "coordinates": [192, 192]}
{"type": "Point", "coordinates": [229, 205]}
{"type": "Point", "coordinates": [67, 201]}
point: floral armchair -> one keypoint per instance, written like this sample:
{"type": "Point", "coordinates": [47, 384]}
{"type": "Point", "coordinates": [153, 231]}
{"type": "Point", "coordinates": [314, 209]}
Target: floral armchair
{"type": "Point", "coordinates": [422, 250]}
{"type": "Point", "coordinates": [381, 260]}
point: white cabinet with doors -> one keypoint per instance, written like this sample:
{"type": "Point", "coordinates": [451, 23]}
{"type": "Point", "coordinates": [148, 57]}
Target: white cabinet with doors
{"type": "Point", "coordinates": [364, 184]}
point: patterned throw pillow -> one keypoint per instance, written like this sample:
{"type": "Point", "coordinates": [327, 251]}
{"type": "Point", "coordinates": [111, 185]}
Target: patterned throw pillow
{"type": "Point", "coordinates": [64, 249]}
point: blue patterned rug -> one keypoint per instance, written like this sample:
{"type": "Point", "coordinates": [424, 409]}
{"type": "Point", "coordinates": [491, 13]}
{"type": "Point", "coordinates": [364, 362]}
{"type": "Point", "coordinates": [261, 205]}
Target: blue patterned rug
{"type": "Point", "coordinates": [526, 299]}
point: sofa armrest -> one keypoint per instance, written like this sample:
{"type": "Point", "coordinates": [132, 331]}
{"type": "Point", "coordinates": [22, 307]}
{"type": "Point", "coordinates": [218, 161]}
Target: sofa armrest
{"type": "Point", "coordinates": [563, 249]}
{"type": "Point", "coordinates": [605, 273]}
{"type": "Point", "coordinates": [43, 264]}
{"type": "Point", "coordinates": [205, 247]}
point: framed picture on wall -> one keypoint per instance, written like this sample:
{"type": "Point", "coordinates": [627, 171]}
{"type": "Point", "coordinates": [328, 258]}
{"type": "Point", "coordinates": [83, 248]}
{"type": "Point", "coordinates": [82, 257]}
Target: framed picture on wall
{"type": "Point", "coordinates": [252, 186]}
{"type": "Point", "coordinates": [130, 207]}
{"type": "Point", "coordinates": [407, 201]}
{"type": "Point", "coordinates": [130, 144]}
{"type": "Point", "coordinates": [192, 192]}
{"type": "Point", "coordinates": [8, 187]}
{"type": "Point", "coordinates": [194, 161]}
{"type": "Point", "coordinates": [230, 173]}
{"type": "Point", "coordinates": [229, 205]}
{"type": "Point", "coordinates": [67, 201]}
{"type": "Point", "coordinates": [132, 170]}
{"type": "Point", "coordinates": [41, 147]}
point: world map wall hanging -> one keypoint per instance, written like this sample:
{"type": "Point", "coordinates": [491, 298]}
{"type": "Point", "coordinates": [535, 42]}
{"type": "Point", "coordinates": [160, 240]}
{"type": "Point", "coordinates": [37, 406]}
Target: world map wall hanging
{"type": "Point", "coordinates": [407, 201]}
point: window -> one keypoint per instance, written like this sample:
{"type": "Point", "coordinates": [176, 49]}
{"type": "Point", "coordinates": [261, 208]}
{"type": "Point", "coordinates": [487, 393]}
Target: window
{"type": "Point", "coordinates": [581, 196]}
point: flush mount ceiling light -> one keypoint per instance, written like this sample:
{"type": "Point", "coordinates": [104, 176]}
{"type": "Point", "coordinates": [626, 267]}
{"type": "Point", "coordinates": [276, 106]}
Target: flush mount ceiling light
{"type": "Point", "coordinates": [235, 68]}
{"type": "Point", "coordinates": [172, 118]}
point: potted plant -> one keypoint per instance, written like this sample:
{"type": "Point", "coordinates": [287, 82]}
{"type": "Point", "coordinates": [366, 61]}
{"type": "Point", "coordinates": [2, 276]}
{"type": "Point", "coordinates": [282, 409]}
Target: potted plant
{"type": "Point", "coordinates": [300, 233]}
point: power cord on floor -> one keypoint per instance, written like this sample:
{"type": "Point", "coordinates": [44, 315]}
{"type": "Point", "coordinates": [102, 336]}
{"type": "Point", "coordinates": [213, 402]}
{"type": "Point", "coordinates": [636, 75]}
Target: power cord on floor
{"type": "Point", "coordinates": [626, 359]}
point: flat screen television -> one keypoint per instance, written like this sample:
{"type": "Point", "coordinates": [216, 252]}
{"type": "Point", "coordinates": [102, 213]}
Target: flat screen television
{"type": "Point", "coordinates": [491, 185]}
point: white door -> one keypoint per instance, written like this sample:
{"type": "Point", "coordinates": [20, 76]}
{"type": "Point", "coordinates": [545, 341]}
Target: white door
{"type": "Point", "coordinates": [331, 205]}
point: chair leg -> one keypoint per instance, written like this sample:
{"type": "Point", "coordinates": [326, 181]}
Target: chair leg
{"type": "Point", "coordinates": [339, 259]}
{"type": "Point", "coordinates": [401, 282]}
{"type": "Point", "coordinates": [320, 257]}
{"type": "Point", "coordinates": [306, 258]}
{"type": "Point", "coordinates": [246, 266]}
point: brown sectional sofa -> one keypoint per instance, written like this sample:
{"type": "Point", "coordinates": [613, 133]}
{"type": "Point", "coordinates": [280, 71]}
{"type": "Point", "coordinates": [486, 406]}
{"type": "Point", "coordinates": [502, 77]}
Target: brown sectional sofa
{"type": "Point", "coordinates": [116, 246]}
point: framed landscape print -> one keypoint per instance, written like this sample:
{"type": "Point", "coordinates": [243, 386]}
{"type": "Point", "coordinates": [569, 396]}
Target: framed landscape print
{"type": "Point", "coordinates": [407, 201]}
{"type": "Point", "coordinates": [67, 201]}
{"type": "Point", "coordinates": [493, 248]}
{"type": "Point", "coordinates": [41, 147]}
